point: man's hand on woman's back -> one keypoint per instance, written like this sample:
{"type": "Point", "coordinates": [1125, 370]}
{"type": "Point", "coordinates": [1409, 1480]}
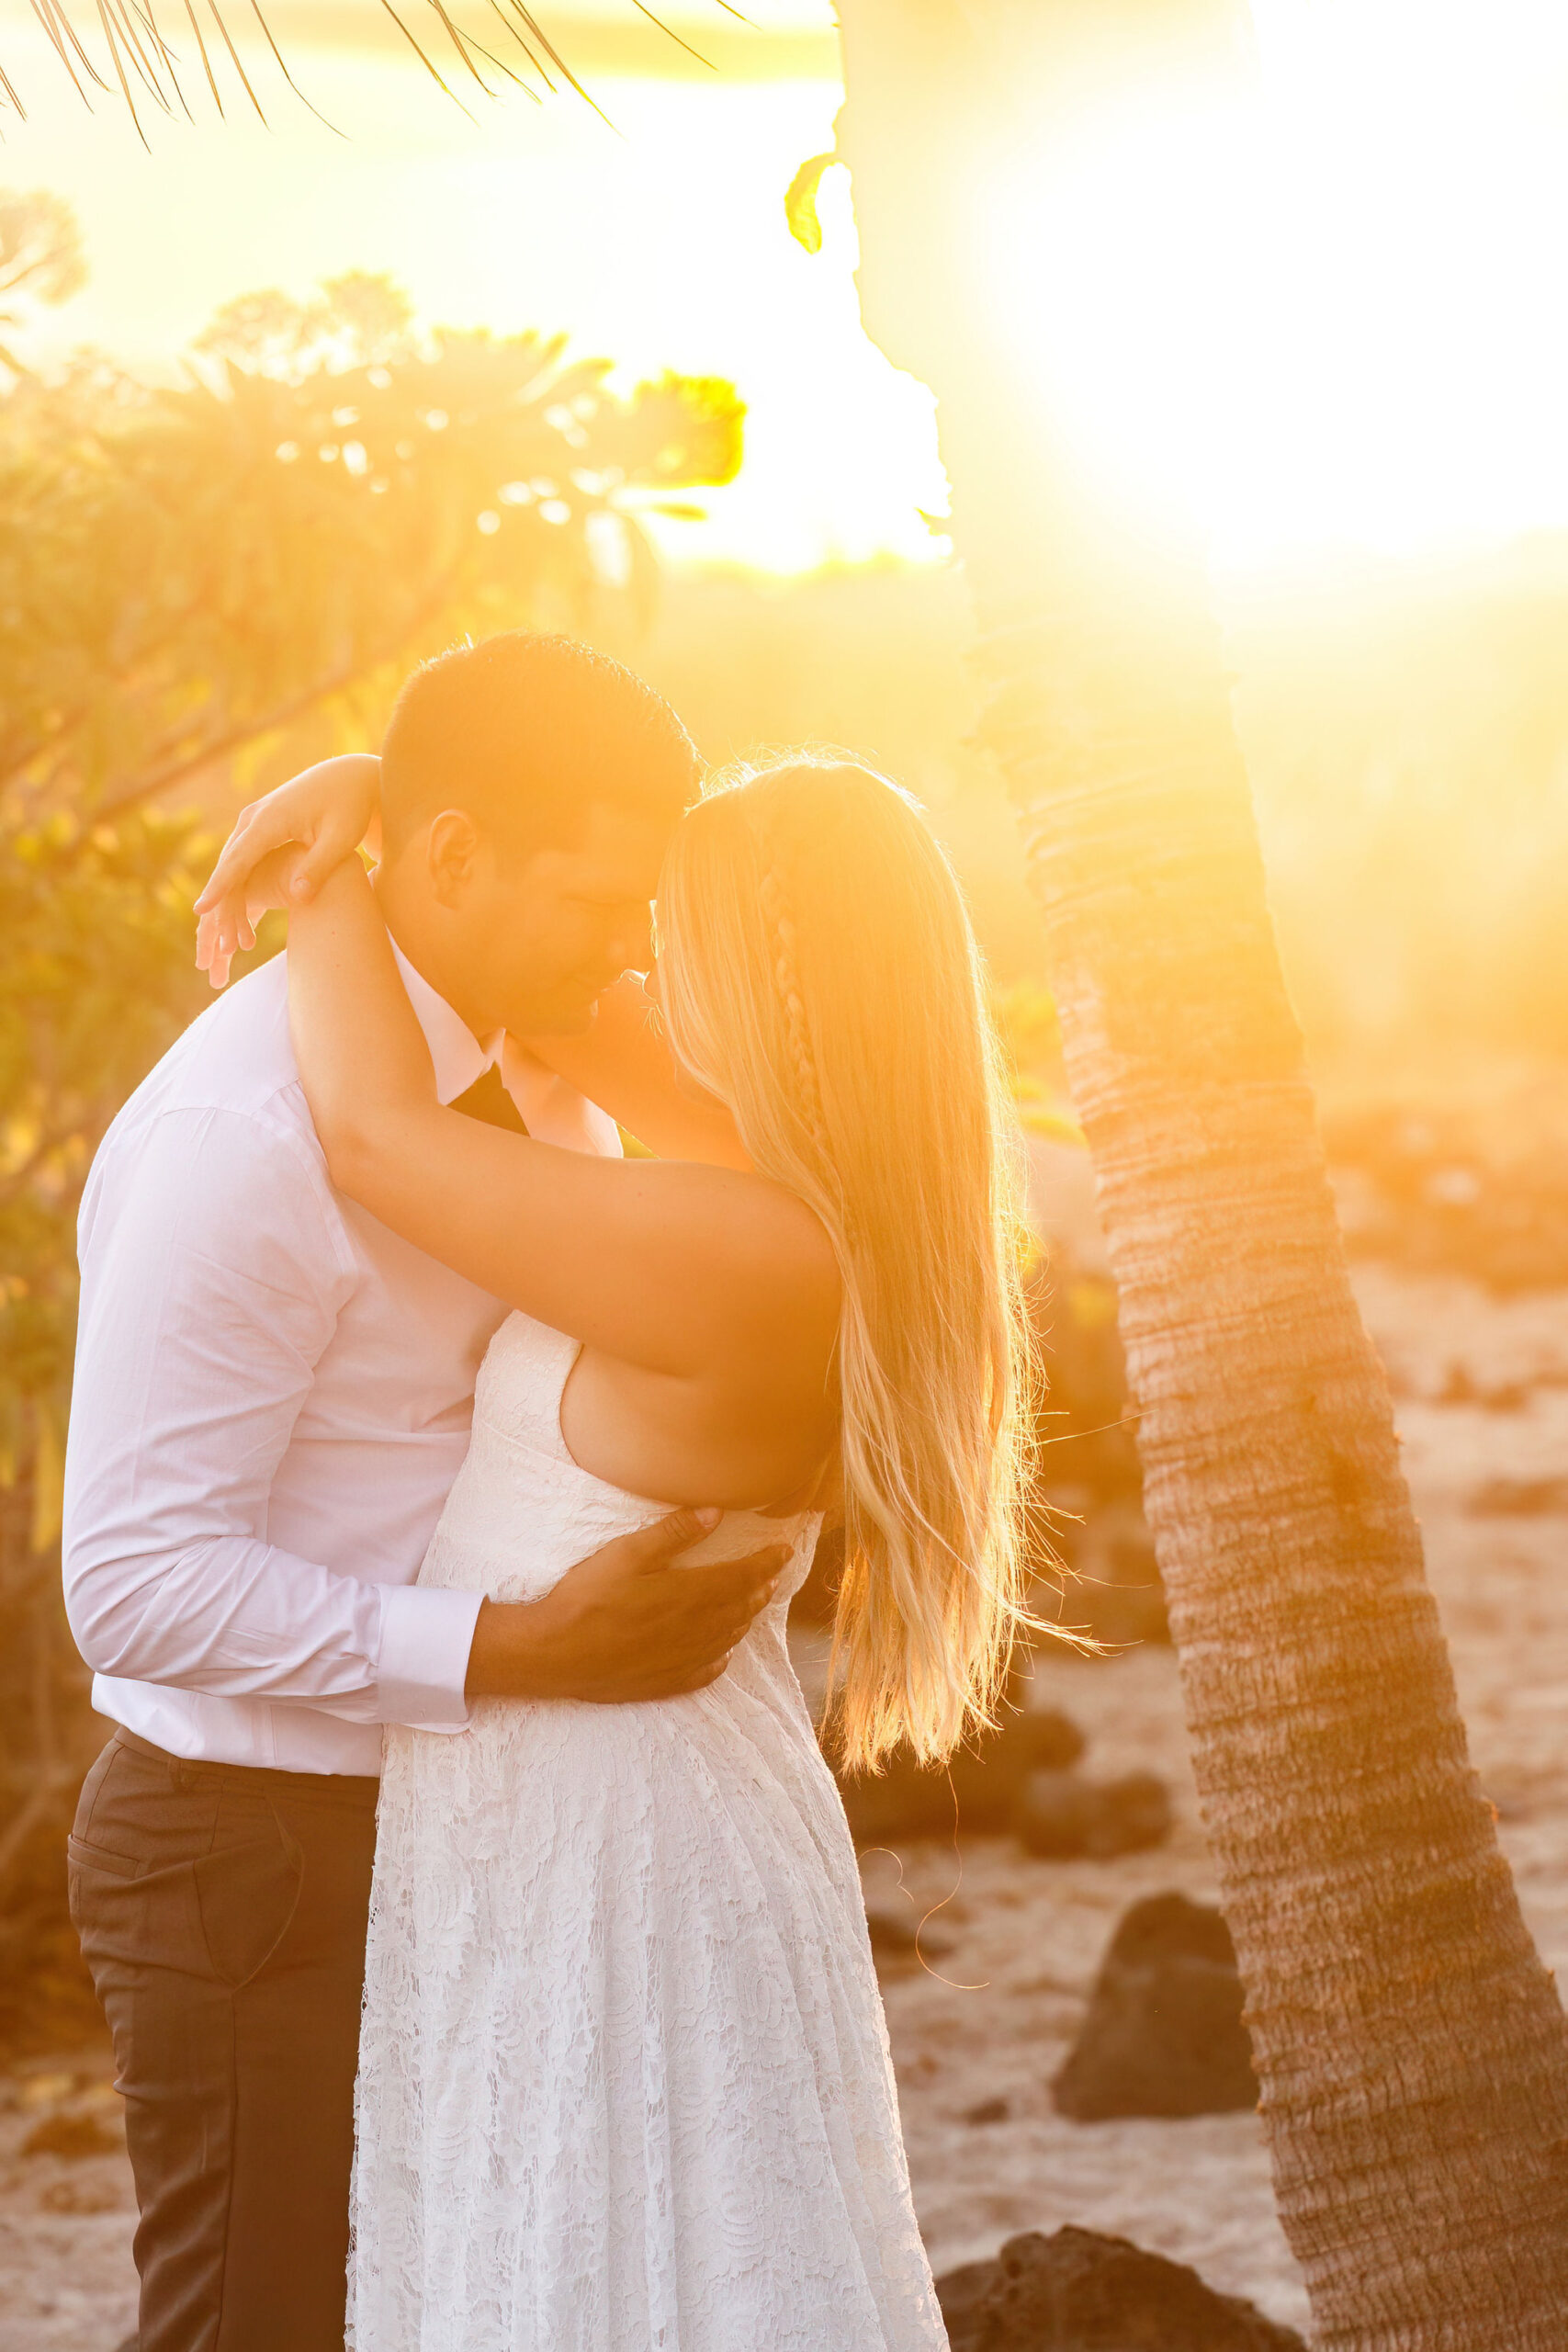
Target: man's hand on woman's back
{"type": "Point", "coordinates": [624, 1623]}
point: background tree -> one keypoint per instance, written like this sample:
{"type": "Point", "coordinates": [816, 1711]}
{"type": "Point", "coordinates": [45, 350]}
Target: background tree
{"type": "Point", "coordinates": [40, 259]}
{"type": "Point", "coordinates": [197, 580]}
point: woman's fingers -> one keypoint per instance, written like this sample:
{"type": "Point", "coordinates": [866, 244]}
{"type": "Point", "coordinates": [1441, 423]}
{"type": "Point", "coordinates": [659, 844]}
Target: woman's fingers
{"type": "Point", "coordinates": [322, 847]}
{"type": "Point", "coordinates": [266, 826]}
{"type": "Point", "coordinates": [224, 931]}
{"type": "Point", "coordinates": [321, 857]}
{"type": "Point", "coordinates": [210, 954]}
{"type": "Point", "coordinates": [235, 860]}
{"type": "Point", "coordinates": [221, 934]}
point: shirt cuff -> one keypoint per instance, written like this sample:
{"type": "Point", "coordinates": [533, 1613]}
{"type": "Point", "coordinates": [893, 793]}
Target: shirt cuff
{"type": "Point", "coordinates": [426, 1635]}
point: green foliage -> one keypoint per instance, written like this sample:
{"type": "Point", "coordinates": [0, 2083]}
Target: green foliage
{"type": "Point", "coordinates": [1032, 1039]}
{"type": "Point", "coordinates": [197, 579]}
{"type": "Point", "coordinates": [40, 256]}
{"type": "Point", "coordinates": [187, 572]}
{"type": "Point", "coordinates": [327, 495]}
{"type": "Point", "coordinates": [94, 975]}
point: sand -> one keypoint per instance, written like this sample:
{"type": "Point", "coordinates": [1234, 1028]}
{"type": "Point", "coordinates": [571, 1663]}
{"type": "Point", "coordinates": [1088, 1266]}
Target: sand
{"type": "Point", "coordinates": [1023, 1938]}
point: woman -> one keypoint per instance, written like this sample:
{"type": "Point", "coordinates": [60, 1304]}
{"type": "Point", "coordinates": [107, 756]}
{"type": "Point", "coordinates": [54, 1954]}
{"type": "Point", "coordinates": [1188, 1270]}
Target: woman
{"type": "Point", "coordinates": [624, 2075]}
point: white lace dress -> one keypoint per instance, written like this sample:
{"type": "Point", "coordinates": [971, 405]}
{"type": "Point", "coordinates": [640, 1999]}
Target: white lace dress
{"type": "Point", "coordinates": [623, 2077]}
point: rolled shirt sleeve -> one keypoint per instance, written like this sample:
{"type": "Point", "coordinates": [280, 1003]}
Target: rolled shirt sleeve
{"type": "Point", "coordinates": [211, 1291]}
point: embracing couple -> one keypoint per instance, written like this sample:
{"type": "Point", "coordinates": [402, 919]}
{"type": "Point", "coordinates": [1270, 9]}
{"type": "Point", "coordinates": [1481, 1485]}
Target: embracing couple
{"type": "Point", "coordinates": [472, 1908]}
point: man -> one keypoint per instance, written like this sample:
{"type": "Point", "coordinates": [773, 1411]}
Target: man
{"type": "Point", "coordinates": [273, 1396]}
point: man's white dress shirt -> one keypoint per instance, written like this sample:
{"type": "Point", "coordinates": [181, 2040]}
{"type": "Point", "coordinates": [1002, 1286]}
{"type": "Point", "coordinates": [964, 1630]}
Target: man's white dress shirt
{"type": "Point", "coordinates": [273, 1396]}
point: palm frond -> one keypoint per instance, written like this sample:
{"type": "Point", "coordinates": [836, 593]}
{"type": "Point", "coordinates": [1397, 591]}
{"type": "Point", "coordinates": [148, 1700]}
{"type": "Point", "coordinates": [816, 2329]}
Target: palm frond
{"type": "Point", "coordinates": [206, 61]}
{"type": "Point", "coordinates": [59, 27]}
{"type": "Point", "coordinates": [674, 36]}
{"type": "Point", "coordinates": [234, 55]}
{"type": "Point", "coordinates": [139, 63]}
{"type": "Point", "coordinates": [282, 67]}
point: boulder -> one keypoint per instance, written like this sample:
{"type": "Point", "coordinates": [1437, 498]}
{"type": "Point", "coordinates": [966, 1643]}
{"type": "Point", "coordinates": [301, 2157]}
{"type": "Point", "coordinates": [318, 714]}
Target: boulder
{"type": "Point", "coordinates": [1163, 2034]}
{"type": "Point", "coordinates": [1116, 1593]}
{"type": "Point", "coordinates": [1077, 2291]}
{"type": "Point", "coordinates": [1519, 1497]}
{"type": "Point", "coordinates": [897, 1936]}
{"type": "Point", "coordinates": [1057, 1814]}
{"type": "Point", "coordinates": [982, 1781]}
{"type": "Point", "coordinates": [73, 2136]}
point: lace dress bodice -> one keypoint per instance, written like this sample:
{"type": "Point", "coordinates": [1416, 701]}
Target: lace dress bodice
{"type": "Point", "coordinates": [623, 2073]}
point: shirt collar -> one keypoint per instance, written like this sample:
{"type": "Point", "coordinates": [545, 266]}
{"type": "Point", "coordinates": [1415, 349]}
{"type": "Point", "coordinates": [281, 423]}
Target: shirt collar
{"type": "Point", "coordinates": [460, 1058]}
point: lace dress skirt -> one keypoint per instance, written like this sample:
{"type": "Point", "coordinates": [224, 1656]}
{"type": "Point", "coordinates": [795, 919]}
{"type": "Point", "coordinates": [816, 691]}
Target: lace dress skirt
{"type": "Point", "coordinates": [623, 2073]}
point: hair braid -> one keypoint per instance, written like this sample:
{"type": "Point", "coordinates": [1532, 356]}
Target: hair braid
{"type": "Point", "coordinates": [786, 979]}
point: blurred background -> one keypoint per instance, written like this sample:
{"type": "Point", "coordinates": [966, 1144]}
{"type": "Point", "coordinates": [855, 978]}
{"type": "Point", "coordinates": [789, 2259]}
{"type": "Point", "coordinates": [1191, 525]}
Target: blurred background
{"type": "Point", "coordinates": [290, 399]}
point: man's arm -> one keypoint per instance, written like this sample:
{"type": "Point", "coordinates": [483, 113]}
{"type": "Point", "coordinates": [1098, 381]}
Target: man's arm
{"type": "Point", "coordinates": [213, 1278]}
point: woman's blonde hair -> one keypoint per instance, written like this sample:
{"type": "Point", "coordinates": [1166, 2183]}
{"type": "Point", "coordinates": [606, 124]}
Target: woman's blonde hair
{"type": "Point", "coordinates": [818, 975]}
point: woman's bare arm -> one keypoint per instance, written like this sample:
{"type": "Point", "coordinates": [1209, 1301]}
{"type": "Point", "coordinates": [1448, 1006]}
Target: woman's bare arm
{"type": "Point", "coordinates": [675, 1267]}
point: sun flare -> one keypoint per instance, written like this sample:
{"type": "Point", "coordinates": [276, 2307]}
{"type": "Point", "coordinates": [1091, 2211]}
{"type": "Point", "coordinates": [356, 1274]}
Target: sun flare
{"type": "Point", "coordinates": [1320, 308]}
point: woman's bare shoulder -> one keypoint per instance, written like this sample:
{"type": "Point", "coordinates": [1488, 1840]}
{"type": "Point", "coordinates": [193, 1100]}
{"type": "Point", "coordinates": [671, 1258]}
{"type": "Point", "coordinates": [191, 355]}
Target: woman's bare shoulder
{"type": "Point", "coordinates": [772, 1248]}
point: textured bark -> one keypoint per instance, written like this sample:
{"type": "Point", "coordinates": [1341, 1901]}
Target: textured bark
{"type": "Point", "coordinates": [1411, 2046]}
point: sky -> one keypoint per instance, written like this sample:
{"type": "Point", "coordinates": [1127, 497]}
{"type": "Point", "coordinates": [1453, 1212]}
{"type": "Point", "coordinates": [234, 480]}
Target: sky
{"type": "Point", "coordinates": [1372, 350]}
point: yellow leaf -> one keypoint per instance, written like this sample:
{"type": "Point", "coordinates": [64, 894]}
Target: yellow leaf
{"type": "Point", "coordinates": [1042, 1119]}
{"type": "Point", "coordinates": [1091, 1303]}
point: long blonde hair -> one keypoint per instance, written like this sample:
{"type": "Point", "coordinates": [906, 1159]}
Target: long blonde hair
{"type": "Point", "coordinates": [818, 975]}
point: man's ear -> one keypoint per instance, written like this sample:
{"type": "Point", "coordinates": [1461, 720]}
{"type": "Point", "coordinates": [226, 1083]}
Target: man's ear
{"type": "Point", "coordinates": [451, 855]}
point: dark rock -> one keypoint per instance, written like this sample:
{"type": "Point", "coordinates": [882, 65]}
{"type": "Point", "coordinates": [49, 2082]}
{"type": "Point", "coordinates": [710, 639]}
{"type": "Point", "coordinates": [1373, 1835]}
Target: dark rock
{"type": "Point", "coordinates": [910, 1801]}
{"type": "Point", "coordinates": [1077, 2291]}
{"type": "Point", "coordinates": [1461, 1387]}
{"type": "Point", "coordinates": [987, 2111]}
{"type": "Point", "coordinates": [1519, 1497]}
{"type": "Point", "coordinates": [1120, 1596]}
{"type": "Point", "coordinates": [1086, 1432]}
{"type": "Point", "coordinates": [1466, 1187]}
{"type": "Point", "coordinates": [1056, 1814]}
{"type": "Point", "coordinates": [961, 2294]}
{"type": "Point", "coordinates": [890, 1933]}
{"type": "Point", "coordinates": [1051, 1814]}
{"type": "Point", "coordinates": [894, 1937]}
{"type": "Point", "coordinates": [1163, 2034]}
{"type": "Point", "coordinates": [73, 2136]}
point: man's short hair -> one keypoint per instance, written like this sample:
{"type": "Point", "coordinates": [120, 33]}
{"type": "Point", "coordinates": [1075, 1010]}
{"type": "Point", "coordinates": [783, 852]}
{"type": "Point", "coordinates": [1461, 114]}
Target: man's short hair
{"type": "Point", "coordinates": [527, 733]}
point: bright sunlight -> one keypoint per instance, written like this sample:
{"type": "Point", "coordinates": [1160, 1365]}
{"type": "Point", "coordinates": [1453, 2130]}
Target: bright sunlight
{"type": "Point", "coordinates": [1311, 306]}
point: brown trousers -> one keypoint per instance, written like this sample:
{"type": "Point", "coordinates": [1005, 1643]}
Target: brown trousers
{"type": "Point", "coordinates": [222, 1912]}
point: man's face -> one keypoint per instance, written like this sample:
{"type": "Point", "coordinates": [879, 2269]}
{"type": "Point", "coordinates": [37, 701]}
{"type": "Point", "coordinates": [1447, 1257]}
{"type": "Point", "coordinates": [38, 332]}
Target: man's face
{"type": "Point", "coordinates": [548, 932]}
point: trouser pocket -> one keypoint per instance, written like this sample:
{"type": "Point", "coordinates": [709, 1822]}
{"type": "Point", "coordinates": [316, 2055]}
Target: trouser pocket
{"type": "Point", "coordinates": [171, 1868]}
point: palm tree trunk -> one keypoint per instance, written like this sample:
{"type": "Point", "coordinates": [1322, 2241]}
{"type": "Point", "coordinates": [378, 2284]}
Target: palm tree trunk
{"type": "Point", "coordinates": [1411, 2047]}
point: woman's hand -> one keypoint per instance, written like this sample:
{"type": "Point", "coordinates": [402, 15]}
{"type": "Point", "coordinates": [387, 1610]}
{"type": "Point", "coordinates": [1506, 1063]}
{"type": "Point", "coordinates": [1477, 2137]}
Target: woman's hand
{"type": "Point", "coordinates": [323, 814]}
